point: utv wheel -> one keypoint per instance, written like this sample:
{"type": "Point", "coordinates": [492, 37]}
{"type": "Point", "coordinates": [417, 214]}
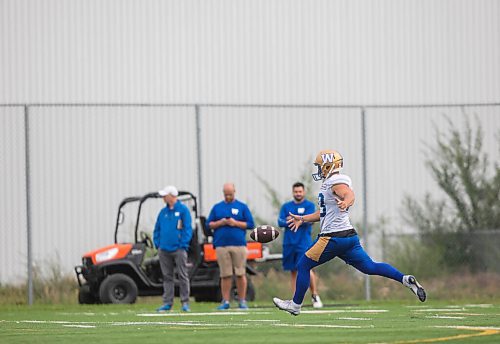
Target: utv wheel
{"type": "Point", "coordinates": [118, 288]}
{"type": "Point", "coordinates": [250, 291]}
{"type": "Point", "coordinates": [85, 297]}
{"type": "Point", "coordinates": [208, 295]}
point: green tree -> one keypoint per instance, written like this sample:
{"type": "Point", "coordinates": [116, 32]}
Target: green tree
{"type": "Point", "coordinates": [471, 185]}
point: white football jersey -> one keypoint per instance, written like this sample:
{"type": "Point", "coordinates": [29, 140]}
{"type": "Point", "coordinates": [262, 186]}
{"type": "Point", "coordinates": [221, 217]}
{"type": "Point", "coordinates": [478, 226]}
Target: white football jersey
{"type": "Point", "coordinates": [332, 219]}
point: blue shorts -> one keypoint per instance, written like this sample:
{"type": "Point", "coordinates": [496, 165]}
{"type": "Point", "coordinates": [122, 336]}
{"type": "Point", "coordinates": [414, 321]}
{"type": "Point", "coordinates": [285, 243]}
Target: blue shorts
{"type": "Point", "coordinates": [291, 256]}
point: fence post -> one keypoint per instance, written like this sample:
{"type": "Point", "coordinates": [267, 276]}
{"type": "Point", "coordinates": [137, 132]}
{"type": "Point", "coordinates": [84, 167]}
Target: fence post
{"type": "Point", "coordinates": [198, 158]}
{"type": "Point", "coordinates": [365, 198]}
{"type": "Point", "coordinates": [383, 245]}
{"type": "Point", "coordinates": [28, 202]}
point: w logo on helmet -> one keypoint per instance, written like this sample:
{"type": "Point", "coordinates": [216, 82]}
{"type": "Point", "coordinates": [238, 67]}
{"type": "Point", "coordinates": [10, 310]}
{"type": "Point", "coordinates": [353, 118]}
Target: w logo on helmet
{"type": "Point", "coordinates": [328, 157]}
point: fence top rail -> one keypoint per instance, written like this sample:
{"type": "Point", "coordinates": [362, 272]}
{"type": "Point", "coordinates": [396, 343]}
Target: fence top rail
{"type": "Point", "coordinates": [495, 231]}
{"type": "Point", "coordinates": [236, 105]}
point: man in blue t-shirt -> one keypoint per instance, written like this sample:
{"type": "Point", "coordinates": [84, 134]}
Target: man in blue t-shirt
{"type": "Point", "coordinates": [295, 244]}
{"type": "Point", "coordinates": [229, 220]}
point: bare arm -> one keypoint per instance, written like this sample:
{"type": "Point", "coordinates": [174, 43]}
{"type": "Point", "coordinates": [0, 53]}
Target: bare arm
{"type": "Point", "coordinates": [345, 196]}
{"type": "Point", "coordinates": [294, 221]}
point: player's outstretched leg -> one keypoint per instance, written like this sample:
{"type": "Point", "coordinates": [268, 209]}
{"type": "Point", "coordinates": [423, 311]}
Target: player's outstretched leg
{"type": "Point", "coordinates": [293, 306]}
{"type": "Point", "coordinates": [287, 305]}
{"type": "Point", "coordinates": [358, 258]}
{"type": "Point", "coordinates": [411, 282]}
{"type": "Point", "coordinates": [370, 267]}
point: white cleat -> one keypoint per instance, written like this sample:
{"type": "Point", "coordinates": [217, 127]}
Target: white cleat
{"type": "Point", "coordinates": [317, 301]}
{"type": "Point", "coordinates": [287, 305]}
{"type": "Point", "coordinates": [411, 282]}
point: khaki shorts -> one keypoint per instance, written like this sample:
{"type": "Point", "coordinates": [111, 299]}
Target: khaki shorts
{"type": "Point", "coordinates": [232, 257]}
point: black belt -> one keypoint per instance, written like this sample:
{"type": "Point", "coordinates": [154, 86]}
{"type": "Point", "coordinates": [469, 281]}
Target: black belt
{"type": "Point", "coordinates": [341, 234]}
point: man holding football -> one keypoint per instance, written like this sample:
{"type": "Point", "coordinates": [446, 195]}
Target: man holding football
{"type": "Point", "coordinates": [337, 237]}
{"type": "Point", "coordinates": [296, 242]}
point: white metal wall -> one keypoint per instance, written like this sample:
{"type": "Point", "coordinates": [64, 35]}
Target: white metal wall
{"type": "Point", "coordinates": [250, 51]}
{"type": "Point", "coordinates": [86, 159]}
{"type": "Point", "coordinates": [13, 250]}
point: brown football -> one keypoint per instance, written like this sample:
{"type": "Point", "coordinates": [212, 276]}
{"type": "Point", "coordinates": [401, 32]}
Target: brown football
{"type": "Point", "coordinates": [264, 233]}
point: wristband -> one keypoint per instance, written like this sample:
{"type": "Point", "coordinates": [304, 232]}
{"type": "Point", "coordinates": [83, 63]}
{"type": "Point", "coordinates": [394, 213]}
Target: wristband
{"type": "Point", "coordinates": [302, 219]}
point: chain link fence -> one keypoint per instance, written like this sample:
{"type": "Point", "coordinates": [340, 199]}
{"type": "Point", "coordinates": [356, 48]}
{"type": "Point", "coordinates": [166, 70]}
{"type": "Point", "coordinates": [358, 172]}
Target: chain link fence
{"type": "Point", "coordinates": [67, 166]}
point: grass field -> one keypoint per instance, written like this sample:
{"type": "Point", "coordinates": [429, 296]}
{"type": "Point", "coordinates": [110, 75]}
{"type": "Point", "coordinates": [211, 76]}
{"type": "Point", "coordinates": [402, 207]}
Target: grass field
{"type": "Point", "coordinates": [359, 322]}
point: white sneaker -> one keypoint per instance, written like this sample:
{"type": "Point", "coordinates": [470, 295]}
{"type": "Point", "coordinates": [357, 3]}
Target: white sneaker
{"type": "Point", "coordinates": [411, 282]}
{"type": "Point", "coordinates": [317, 301]}
{"type": "Point", "coordinates": [287, 305]}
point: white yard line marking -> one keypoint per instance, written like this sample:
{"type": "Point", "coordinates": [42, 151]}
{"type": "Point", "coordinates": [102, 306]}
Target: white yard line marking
{"type": "Point", "coordinates": [426, 306]}
{"type": "Point", "coordinates": [88, 324]}
{"type": "Point", "coordinates": [177, 323]}
{"type": "Point", "coordinates": [55, 322]}
{"type": "Point", "coordinates": [322, 326]}
{"type": "Point", "coordinates": [462, 313]}
{"type": "Point", "coordinates": [436, 310]}
{"type": "Point", "coordinates": [167, 314]}
{"type": "Point", "coordinates": [127, 323]}
{"type": "Point", "coordinates": [345, 311]}
{"type": "Point", "coordinates": [480, 305]}
{"type": "Point", "coordinates": [417, 306]}
{"type": "Point", "coordinates": [347, 318]}
{"type": "Point", "coordinates": [443, 317]}
{"type": "Point", "coordinates": [263, 320]}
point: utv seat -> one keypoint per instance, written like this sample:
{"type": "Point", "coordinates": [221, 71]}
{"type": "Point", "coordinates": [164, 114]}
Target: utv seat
{"type": "Point", "coordinates": [151, 261]}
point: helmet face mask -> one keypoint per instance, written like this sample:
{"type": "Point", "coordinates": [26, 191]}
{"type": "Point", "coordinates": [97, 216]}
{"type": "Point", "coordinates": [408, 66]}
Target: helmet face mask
{"type": "Point", "coordinates": [318, 175]}
{"type": "Point", "coordinates": [328, 162]}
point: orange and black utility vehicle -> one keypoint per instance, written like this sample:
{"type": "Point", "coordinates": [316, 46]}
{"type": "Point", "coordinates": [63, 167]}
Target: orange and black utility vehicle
{"type": "Point", "coordinates": [130, 267]}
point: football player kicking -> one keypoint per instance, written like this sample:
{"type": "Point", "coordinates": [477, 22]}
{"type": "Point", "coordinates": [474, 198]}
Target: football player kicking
{"type": "Point", "coordinates": [337, 237]}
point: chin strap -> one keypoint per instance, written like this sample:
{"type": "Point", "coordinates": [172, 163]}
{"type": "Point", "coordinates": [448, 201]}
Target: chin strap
{"type": "Point", "coordinates": [330, 172]}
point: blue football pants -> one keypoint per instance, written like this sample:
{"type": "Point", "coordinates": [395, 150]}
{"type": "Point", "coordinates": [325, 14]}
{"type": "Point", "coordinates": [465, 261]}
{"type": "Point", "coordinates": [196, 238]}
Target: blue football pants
{"type": "Point", "coordinates": [347, 249]}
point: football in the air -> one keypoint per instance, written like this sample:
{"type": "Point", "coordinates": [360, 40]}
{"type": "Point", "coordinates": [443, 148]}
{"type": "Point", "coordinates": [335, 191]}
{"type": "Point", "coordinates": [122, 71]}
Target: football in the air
{"type": "Point", "coordinates": [264, 233]}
